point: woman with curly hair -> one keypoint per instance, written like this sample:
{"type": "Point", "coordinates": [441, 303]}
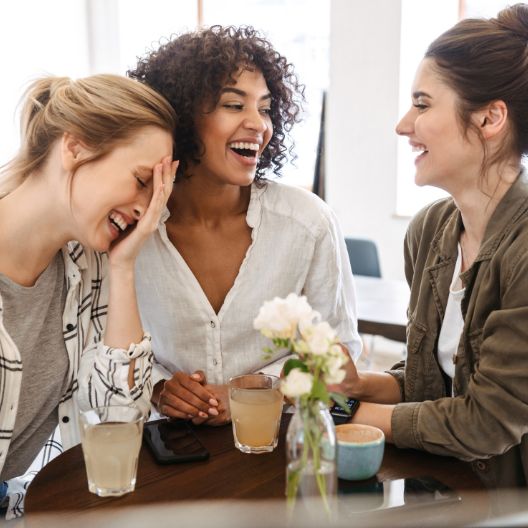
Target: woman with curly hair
{"type": "Point", "coordinates": [231, 239]}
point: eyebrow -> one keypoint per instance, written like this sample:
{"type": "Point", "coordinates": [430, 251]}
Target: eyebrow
{"type": "Point", "coordinates": [242, 93]}
{"type": "Point", "coordinates": [144, 170]}
{"type": "Point", "coordinates": [418, 94]}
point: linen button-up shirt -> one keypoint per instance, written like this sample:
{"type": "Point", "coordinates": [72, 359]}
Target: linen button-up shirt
{"type": "Point", "coordinates": [296, 247]}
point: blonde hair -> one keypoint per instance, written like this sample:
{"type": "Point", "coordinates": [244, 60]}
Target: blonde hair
{"type": "Point", "coordinates": [102, 111]}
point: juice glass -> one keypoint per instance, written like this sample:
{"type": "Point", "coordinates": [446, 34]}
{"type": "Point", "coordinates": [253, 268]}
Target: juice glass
{"type": "Point", "coordinates": [256, 407]}
{"type": "Point", "coordinates": [111, 438]}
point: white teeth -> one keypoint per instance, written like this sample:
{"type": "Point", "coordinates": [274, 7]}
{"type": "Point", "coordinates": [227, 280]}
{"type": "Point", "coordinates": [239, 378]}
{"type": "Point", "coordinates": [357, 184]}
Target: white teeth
{"type": "Point", "coordinates": [244, 145]}
{"type": "Point", "coordinates": [118, 220]}
{"type": "Point", "coordinates": [418, 148]}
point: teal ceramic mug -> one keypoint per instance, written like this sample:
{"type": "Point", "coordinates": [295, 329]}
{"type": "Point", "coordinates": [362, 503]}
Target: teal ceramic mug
{"type": "Point", "coordinates": [359, 451]}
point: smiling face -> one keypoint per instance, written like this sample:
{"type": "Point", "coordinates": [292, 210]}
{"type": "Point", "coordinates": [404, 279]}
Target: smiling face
{"type": "Point", "coordinates": [112, 193]}
{"type": "Point", "coordinates": [447, 157]}
{"type": "Point", "coordinates": [235, 132]}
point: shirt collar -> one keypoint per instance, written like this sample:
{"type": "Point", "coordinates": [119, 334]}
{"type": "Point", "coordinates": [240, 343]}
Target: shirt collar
{"type": "Point", "coordinates": [75, 260]}
{"type": "Point", "coordinates": [253, 215]}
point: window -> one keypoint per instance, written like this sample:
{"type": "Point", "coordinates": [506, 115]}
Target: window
{"type": "Point", "coordinates": [31, 48]}
{"type": "Point", "coordinates": [299, 30]}
{"type": "Point", "coordinates": [419, 26]}
{"type": "Point", "coordinates": [109, 35]}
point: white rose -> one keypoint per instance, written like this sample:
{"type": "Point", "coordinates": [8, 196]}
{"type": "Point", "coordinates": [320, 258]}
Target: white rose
{"type": "Point", "coordinates": [334, 373]}
{"type": "Point", "coordinates": [297, 383]}
{"type": "Point", "coordinates": [297, 309]}
{"type": "Point", "coordinates": [271, 322]}
{"type": "Point", "coordinates": [319, 337]}
{"type": "Point", "coordinates": [335, 360]}
{"type": "Point", "coordinates": [280, 317]}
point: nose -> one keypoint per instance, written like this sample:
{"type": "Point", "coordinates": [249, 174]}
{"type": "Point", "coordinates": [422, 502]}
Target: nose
{"type": "Point", "coordinates": [256, 120]}
{"type": "Point", "coordinates": [405, 126]}
{"type": "Point", "coordinates": [142, 202]}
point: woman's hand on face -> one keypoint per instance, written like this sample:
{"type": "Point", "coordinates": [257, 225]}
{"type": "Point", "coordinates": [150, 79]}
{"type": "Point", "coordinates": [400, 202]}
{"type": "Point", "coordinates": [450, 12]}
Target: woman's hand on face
{"type": "Point", "coordinates": [125, 250]}
{"type": "Point", "coordinates": [221, 394]}
{"type": "Point", "coordinates": [185, 396]}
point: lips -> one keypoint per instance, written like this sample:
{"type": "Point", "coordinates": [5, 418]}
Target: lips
{"type": "Point", "coordinates": [419, 148]}
{"type": "Point", "coordinates": [118, 223]}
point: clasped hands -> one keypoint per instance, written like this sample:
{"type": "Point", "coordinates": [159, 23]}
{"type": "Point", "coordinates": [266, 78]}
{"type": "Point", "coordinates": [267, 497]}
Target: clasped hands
{"type": "Point", "coordinates": [190, 397]}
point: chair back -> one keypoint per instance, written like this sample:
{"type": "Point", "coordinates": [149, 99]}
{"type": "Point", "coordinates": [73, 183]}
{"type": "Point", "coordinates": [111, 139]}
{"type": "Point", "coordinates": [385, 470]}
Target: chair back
{"type": "Point", "coordinates": [363, 255]}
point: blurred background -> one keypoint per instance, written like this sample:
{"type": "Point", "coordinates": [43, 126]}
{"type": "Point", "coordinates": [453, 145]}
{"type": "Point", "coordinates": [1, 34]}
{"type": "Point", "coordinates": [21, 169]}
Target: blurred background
{"type": "Point", "coordinates": [361, 53]}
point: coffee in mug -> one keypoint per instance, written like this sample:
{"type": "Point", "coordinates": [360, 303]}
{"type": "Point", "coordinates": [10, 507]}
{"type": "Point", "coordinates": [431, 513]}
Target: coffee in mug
{"type": "Point", "coordinates": [360, 451]}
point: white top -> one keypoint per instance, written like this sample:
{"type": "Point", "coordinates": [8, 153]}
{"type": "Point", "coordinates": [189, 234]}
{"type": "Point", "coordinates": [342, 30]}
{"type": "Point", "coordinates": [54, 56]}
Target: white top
{"type": "Point", "coordinates": [97, 374]}
{"type": "Point", "coordinates": [296, 247]}
{"type": "Point", "coordinates": [453, 323]}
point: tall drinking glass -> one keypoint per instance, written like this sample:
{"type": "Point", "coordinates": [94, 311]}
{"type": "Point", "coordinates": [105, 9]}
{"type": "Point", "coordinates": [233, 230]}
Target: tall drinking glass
{"type": "Point", "coordinates": [111, 438]}
{"type": "Point", "coordinates": [256, 407]}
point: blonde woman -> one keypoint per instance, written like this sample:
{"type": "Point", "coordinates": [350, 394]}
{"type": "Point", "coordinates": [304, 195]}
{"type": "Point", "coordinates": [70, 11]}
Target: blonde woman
{"type": "Point", "coordinates": [87, 187]}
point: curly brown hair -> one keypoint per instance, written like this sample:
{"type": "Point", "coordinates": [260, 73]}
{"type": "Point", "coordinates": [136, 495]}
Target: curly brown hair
{"type": "Point", "coordinates": [191, 69]}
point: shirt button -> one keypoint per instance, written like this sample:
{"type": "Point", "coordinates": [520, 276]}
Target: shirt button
{"type": "Point", "coordinates": [65, 419]}
{"type": "Point", "coordinates": [481, 466]}
{"type": "Point", "coordinates": [212, 324]}
{"type": "Point", "coordinates": [215, 362]}
{"type": "Point", "coordinates": [69, 327]}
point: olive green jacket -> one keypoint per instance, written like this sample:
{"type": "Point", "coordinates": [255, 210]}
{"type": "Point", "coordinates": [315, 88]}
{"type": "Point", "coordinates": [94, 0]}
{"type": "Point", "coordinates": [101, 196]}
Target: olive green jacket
{"type": "Point", "coordinates": [486, 420]}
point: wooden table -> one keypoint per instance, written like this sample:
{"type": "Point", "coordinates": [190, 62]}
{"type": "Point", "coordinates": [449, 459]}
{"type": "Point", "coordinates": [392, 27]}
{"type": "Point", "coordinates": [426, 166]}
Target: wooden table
{"type": "Point", "coordinates": [229, 474]}
{"type": "Point", "coordinates": [382, 307]}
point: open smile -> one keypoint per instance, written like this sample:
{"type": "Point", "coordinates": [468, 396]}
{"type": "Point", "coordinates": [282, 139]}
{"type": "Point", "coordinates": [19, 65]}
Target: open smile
{"type": "Point", "coordinates": [245, 152]}
{"type": "Point", "coordinates": [421, 149]}
{"type": "Point", "coordinates": [118, 224]}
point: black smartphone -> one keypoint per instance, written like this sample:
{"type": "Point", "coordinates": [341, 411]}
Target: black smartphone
{"type": "Point", "coordinates": [370, 495]}
{"type": "Point", "coordinates": [339, 415]}
{"type": "Point", "coordinates": [420, 490]}
{"type": "Point", "coordinates": [173, 441]}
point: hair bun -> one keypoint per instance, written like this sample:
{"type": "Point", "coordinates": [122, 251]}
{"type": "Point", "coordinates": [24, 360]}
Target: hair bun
{"type": "Point", "coordinates": [515, 20]}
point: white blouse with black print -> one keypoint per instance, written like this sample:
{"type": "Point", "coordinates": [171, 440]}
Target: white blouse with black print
{"type": "Point", "coordinates": [98, 375]}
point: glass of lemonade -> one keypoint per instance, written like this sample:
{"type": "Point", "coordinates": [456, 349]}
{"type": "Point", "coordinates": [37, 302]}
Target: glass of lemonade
{"type": "Point", "coordinates": [256, 407]}
{"type": "Point", "coordinates": [111, 438]}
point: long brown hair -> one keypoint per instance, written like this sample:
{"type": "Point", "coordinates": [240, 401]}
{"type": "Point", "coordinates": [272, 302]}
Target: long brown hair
{"type": "Point", "coordinates": [485, 60]}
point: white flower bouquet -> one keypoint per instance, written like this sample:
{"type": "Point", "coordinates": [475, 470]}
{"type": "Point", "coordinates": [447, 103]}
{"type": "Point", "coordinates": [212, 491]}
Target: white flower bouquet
{"type": "Point", "coordinates": [293, 325]}
{"type": "Point", "coordinates": [318, 360]}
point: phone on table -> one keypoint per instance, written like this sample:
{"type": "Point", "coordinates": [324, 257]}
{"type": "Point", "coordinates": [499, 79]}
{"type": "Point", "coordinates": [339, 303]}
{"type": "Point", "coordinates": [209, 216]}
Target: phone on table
{"type": "Point", "coordinates": [415, 491]}
{"type": "Point", "coordinates": [173, 441]}
{"type": "Point", "coordinates": [339, 415]}
{"type": "Point", "coordinates": [373, 495]}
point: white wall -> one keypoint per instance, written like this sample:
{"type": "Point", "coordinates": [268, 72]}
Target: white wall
{"type": "Point", "coordinates": [361, 145]}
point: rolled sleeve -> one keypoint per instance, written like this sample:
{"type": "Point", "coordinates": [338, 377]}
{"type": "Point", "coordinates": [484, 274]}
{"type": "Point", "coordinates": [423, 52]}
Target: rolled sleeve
{"type": "Point", "coordinates": [104, 376]}
{"type": "Point", "coordinates": [405, 427]}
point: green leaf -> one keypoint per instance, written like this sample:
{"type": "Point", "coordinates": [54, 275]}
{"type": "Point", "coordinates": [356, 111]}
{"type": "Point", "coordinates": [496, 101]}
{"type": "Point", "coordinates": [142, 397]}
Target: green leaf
{"type": "Point", "coordinates": [319, 391]}
{"type": "Point", "coordinates": [293, 363]}
{"type": "Point", "coordinates": [341, 400]}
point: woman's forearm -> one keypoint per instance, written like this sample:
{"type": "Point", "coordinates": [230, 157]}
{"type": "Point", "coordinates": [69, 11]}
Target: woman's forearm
{"type": "Point", "coordinates": [376, 387]}
{"type": "Point", "coordinates": [123, 325]}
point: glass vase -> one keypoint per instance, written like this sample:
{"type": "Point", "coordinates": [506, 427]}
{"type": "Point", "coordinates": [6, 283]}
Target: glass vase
{"type": "Point", "coordinates": [311, 451]}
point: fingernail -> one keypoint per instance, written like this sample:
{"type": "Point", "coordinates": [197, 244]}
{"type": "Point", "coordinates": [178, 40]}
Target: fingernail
{"type": "Point", "coordinates": [212, 401]}
{"type": "Point", "coordinates": [190, 416]}
{"type": "Point", "coordinates": [195, 377]}
{"type": "Point", "coordinates": [213, 411]}
{"type": "Point", "coordinates": [202, 414]}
